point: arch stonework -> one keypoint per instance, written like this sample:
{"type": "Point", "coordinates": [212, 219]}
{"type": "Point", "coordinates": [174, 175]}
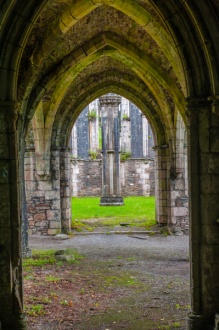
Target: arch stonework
{"type": "Point", "coordinates": [171, 55]}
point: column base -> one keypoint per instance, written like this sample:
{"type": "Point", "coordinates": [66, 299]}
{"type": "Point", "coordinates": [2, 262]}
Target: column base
{"type": "Point", "coordinates": [111, 201]}
{"type": "Point", "coordinates": [197, 322]}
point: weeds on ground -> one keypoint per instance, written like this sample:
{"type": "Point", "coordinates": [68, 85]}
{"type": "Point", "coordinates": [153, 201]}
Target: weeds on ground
{"type": "Point", "coordinates": [41, 258]}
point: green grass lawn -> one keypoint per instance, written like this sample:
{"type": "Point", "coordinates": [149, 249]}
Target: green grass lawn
{"type": "Point", "coordinates": [137, 211]}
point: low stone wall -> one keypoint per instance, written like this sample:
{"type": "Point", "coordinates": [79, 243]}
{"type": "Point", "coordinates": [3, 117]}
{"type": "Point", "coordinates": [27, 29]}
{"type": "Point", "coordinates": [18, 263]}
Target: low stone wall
{"type": "Point", "coordinates": [137, 177]}
{"type": "Point", "coordinates": [86, 177]}
{"type": "Point", "coordinates": [48, 197]}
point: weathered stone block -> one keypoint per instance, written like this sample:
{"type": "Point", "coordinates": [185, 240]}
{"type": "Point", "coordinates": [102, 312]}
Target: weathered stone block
{"type": "Point", "coordinates": [38, 193]}
{"type": "Point", "coordinates": [39, 216]}
{"type": "Point", "coordinates": [31, 223]}
{"type": "Point", "coordinates": [66, 225]}
{"type": "Point", "coordinates": [162, 219]}
{"type": "Point", "coordinates": [53, 231]}
{"type": "Point", "coordinates": [54, 224]}
{"type": "Point", "coordinates": [42, 224]}
{"type": "Point", "coordinates": [179, 184]}
{"type": "Point", "coordinates": [180, 211]}
{"type": "Point", "coordinates": [55, 184]}
{"type": "Point", "coordinates": [144, 176]}
{"type": "Point", "coordinates": [28, 175]}
{"type": "Point", "coordinates": [52, 195]}
{"type": "Point", "coordinates": [55, 204]}
{"type": "Point", "coordinates": [65, 203]}
{"type": "Point", "coordinates": [53, 215]}
{"type": "Point", "coordinates": [66, 214]}
{"type": "Point", "coordinates": [44, 185]}
{"type": "Point", "coordinates": [67, 192]}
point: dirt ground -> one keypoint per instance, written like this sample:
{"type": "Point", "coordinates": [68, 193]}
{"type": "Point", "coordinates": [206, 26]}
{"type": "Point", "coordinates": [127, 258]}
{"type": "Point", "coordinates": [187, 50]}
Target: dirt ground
{"type": "Point", "coordinates": [133, 282]}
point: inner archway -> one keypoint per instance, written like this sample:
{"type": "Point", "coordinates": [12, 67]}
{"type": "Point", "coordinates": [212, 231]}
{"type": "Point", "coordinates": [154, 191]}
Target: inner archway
{"type": "Point", "coordinates": [136, 164]}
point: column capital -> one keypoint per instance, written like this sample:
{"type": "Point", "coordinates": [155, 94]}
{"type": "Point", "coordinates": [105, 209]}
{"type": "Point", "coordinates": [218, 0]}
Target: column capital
{"type": "Point", "coordinates": [107, 100]}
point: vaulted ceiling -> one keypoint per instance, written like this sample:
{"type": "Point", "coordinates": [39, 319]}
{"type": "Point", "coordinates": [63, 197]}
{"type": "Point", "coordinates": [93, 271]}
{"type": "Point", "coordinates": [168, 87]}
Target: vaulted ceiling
{"type": "Point", "coordinates": [78, 50]}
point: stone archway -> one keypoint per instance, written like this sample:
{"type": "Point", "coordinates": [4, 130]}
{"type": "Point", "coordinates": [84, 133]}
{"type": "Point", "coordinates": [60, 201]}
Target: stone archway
{"type": "Point", "coordinates": [49, 49]}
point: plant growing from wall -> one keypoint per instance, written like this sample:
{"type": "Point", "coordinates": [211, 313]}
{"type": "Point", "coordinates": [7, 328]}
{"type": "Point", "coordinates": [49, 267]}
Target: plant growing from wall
{"type": "Point", "coordinates": [100, 137]}
{"type": "Point", "coordinates": [125, 117]}
{"type": "Point", "coordinates": [124, 155]}
{"type": "Point", "coordinates": [93, 154]}
{"type": "Point", "coordinates": [92, 115]}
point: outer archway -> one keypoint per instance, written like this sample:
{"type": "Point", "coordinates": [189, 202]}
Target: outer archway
{"type": "Point", "coordinates": [184, 38]}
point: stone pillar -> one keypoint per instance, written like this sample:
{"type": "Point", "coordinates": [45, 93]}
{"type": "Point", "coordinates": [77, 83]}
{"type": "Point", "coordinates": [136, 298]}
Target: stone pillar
{"type": "Point", "coordinates": [43, 195]}
{"type": "Point", "coordinates": [48, 196]}
{"type": "Point", "coordinates": [136, 132]}
{"type": "Point", "coordinates": [65, 190]}
{"type": "Point", "coordinates": [111, 189]}
{"type": "Point", "coordinates": [83, 135]}
{"type": "Point", "coordinates": [93, 130]}
{"type": "Point", "coordinates": [74, 143]}
{"type": "Point", "coordinates": [145, 136]}
{"type": "Point", "coordinates": [11, 297]}
{"type": "Point", "coordinates": [203, 153]}
{"type": "Point", "coordinates": [161, 188]}
{"type": "Point", "coordinates": [178, 209]}
{"type": "Point", "coordinates": [150, 143]}
{"type": "Point", "coordinates": [179, 181]}
{"type": "Point", "coordinates": [125, 127]}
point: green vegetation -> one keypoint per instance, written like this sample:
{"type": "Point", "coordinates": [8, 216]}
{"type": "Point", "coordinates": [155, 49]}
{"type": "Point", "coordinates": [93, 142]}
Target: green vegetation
{"type": "Point", "coordinates": [125, 117]}
{"type": "Point", "coordinates": [100, 137]}
{"type": "Point", "coordinates": [125, 155]}
{"type": "Point", "coordinates": [42, 258]}
{"type": "Point", "coordinates": [121, 281]}
{"type": "Point", "coordinates": [137, 211]}
{"type": "Point", "coordinates": [92, 115]}
{"type": "Point", "coordinates": [93, 154]}
{"type": "Point", "coordinates": [51, 278]}
{"type": "Point", "coordinates": [36, 310]}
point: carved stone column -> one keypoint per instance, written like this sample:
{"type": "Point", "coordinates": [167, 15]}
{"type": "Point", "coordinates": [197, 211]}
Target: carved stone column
{"type": "Point", "coordinates": [111, 190]}
{"type": "Point", "coordinates": [11, 297]}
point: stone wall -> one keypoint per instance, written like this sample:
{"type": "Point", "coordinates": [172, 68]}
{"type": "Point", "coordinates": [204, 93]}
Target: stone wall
{"type": "Point", "coordinates": [48, 196]}
{"type": "Point", "coordinates": [86, 177]}
{"type": "Point", "coordinates": [137, 177]}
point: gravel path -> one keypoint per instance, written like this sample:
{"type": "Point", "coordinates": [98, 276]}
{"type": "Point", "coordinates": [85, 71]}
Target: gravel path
{"type": "Point", "coordinates": [157, 246]}
{"type": "Point", "coordinates": [160, 263]}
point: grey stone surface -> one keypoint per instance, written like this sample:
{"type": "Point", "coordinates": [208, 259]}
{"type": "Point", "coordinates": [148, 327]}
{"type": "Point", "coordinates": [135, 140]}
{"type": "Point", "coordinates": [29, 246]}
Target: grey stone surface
{"type": "Point", "coordinates": [61, 237]}
{"type": "Point", "coordinates": [83, 135]}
